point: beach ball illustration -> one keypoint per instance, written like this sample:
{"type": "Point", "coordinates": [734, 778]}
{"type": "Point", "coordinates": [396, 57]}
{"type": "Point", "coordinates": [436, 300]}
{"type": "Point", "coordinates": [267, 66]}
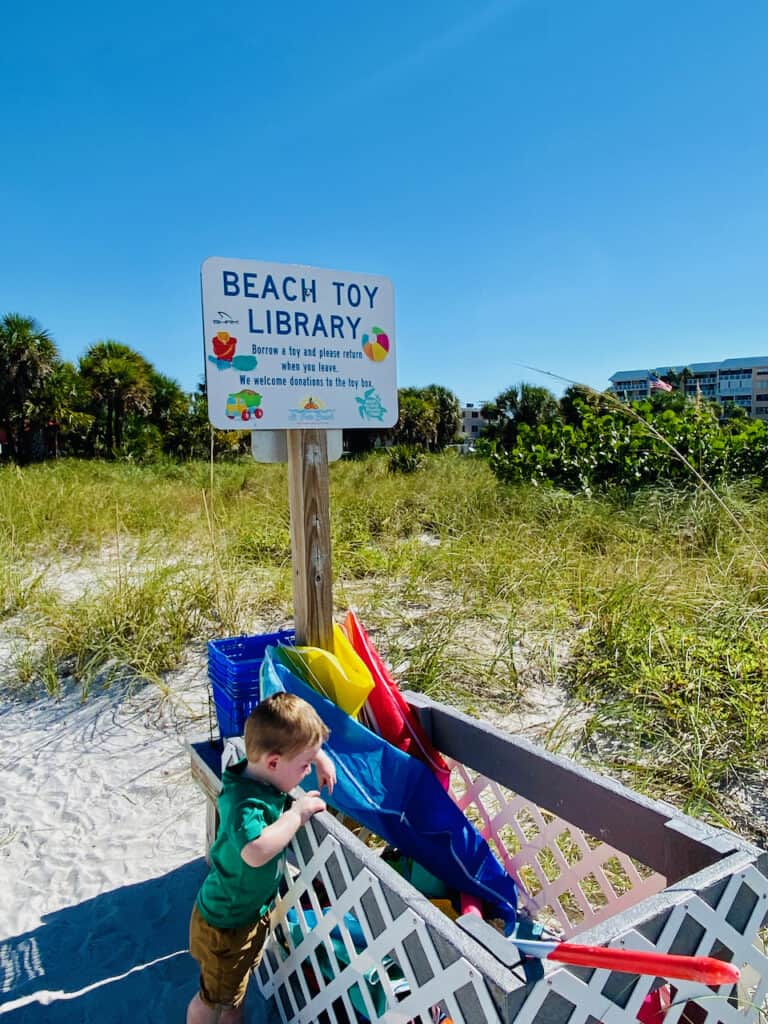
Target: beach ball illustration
{"type": "Point", "coordinates": [376, 345]}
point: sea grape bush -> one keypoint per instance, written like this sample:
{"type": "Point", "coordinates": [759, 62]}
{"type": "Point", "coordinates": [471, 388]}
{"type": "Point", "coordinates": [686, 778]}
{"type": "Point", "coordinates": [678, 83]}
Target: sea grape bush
{"type": "Point", "coordinates": [635, 446]}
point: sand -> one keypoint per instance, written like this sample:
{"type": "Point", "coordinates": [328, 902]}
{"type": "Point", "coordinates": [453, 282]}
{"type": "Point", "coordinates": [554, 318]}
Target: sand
{"type": "Point", "coordinates": [101, 852]}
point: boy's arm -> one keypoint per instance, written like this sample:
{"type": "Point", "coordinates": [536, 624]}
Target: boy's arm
{"type": "Point", "coordinates": [326, 771]}
{"type": "Point", "coordinates": [275, 837]}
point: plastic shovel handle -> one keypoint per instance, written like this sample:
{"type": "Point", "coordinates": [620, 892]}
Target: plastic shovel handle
{"type": "Point", "coordinates": [705, 969]}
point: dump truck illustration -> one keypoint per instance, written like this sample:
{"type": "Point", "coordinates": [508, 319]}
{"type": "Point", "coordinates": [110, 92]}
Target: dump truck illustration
{"type": "Point", "coordinates": [243, 405]}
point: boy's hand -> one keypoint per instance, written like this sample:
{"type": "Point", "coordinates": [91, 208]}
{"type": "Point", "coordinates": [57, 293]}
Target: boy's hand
{"type": "Point", "coordinates": [326, 771]}
{"type": "Point", "coordinates": [308, 804]}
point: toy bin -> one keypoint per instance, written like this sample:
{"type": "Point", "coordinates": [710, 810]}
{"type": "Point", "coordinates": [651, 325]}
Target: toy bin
{"type": "Point", "coordinates": [232, 710]}
{"type": "Point", "coordinates": [234, 666]}
{"type": "Point", "coordinates": [353, 940]}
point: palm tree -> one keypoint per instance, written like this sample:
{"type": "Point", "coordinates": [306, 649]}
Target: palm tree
{"type": "Point", "coordinates": [121, 383]}
{"type": "Point", "coordinates": [417, 422]}
{"type": "Point", "coordinates": [679, 378]}
{"type": "Point", "coordinates": [64, 403]}
{"type": "Point", "coordinates": [526, 403]}
{"type": "Point", "coordinates": [448, 409]}
{"type": "Point", "coordinates": [578, 399]}
{"type": "Point", "coordinates": [28, 356]}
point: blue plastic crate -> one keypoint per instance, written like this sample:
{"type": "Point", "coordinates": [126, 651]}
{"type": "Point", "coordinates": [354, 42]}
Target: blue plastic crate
{"type": "Point", "coordinates": [234, 667]}
{"type": "Point", "coordinates": [232, 712]}
{"type": "Point", "coordinates": [235, 685]}
{"type": "Point", "coordinates": [237, 659]}
{"type": "Point", "coordinates": [253, 694]}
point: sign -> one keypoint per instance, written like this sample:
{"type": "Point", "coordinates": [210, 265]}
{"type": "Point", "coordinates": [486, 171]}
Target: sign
{"type": "Point", "coordinates": [297, 348]}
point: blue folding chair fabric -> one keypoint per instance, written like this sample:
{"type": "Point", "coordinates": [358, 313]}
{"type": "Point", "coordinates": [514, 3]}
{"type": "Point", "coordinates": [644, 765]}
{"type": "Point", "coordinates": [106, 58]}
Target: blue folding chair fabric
{"type": "Point", "coordinates": [398, 798]}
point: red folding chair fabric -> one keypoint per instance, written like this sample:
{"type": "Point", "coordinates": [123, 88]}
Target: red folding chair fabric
{"type": "Point", "coordinates": [388, 713]}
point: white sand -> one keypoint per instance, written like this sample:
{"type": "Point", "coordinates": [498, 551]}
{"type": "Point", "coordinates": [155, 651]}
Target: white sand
{"type": "Point", "coordinates": [101, 841]}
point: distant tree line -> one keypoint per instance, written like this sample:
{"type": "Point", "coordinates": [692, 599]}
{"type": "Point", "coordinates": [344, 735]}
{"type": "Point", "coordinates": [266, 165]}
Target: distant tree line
{"type": "Point", "coordinates": [115, 404]}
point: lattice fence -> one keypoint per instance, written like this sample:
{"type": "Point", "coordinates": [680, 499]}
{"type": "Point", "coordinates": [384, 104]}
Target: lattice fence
{"type": "Point", "coordinates": [570, 880]}
{"type": "Point", "coordinates": [353, 941]}
{"type": "Point", "coordinates": [410, 968]}
{"type": "Point", "coordinates": [723, 921]}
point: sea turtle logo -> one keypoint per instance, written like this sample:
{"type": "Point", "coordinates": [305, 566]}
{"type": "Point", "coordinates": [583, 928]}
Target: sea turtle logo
{"type": "Point", "coordinates": [370, 407]}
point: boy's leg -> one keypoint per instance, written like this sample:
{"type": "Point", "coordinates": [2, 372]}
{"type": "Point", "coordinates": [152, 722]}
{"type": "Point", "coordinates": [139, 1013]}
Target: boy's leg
{"type": "Point", "coordinates": [226, 957]}
{"type": "Point", "coordinates": [199, 1013]}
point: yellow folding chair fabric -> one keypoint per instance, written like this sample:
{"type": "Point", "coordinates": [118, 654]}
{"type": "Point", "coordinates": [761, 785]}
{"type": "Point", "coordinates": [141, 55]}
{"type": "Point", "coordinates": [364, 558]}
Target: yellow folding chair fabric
{"type": "Point", "coordinates": [341, 677]}
{"type": "Point", "coordinates": [350, 661]}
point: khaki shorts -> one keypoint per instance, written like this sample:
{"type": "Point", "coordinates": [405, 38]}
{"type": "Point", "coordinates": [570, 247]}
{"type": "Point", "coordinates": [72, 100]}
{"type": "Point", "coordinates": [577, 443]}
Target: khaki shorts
{"type": "Point", "coordinates": [226, 956]}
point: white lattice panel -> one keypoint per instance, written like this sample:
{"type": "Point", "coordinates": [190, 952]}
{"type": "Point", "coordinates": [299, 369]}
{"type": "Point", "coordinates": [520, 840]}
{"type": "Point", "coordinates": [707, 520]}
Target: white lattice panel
{"type": "Point", "coordinates": [565, 876]}
{"type": "Point", "coordinates": [692, 927]}
{"type": "Point", "coordinates": [395, 935]}
{"type": "Point", "coordinates": [433, 973]}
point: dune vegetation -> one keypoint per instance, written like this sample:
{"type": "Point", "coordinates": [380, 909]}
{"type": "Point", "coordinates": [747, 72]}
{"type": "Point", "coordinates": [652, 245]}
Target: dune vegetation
{"type": "Point", "coordinates": [649, 608]}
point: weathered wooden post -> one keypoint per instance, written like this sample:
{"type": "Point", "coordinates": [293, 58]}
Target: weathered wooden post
{"type": "Point", "coordinates": [310, 537]}
{"type": "Point", "coordinates": [297, 354]}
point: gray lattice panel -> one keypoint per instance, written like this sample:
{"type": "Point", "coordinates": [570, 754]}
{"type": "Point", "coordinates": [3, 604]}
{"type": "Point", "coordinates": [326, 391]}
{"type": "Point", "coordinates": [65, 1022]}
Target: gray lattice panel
{"type": "Point", "coordinates": [439, 964]}
{"type": "Point", "coordinates": [682, 920]}
{"type": "Point", "coordinates": [568, 879]}
{"type": "Point", "coordinates": [717, 912]}
{"type": "Point", "coordinates": [714, 903]}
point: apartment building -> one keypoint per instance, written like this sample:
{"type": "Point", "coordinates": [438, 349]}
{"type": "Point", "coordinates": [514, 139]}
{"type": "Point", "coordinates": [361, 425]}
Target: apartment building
{"type": "Point", "coordinates": [742, 382]}
{"type": "Point", "coordinates": [472, 421]}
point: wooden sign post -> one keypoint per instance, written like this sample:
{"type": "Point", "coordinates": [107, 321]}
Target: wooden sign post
{"type": "Point", "coordinates": [308, 497]}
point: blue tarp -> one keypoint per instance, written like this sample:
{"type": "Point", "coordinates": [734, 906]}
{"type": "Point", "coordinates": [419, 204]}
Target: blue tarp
{"type": "Point", "coordinates": [399, 799]}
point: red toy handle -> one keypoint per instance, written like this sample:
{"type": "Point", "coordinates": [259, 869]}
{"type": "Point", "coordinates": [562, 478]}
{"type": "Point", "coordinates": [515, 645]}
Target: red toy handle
{"type": "Point", "coordinates": [705, 969]}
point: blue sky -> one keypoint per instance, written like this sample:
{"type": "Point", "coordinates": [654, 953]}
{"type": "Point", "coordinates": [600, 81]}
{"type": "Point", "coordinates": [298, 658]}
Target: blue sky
{"type": "Point", "coordinates": [580, 187]}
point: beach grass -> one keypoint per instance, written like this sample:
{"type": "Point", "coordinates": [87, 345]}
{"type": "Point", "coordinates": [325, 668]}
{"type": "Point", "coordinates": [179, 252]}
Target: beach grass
{"type": "Point", "coordinates": [650, 609]}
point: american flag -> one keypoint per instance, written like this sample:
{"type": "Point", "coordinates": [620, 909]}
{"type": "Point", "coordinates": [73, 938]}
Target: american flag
{"type": "Point", "coordinates": [660, 385]}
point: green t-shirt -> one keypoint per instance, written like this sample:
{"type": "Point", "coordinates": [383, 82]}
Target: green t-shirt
{"type": "Point", "coordinates": [233, 893]}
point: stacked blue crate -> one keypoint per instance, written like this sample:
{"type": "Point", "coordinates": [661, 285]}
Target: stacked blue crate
{"type": "Point", "coordinates": [234, 667]}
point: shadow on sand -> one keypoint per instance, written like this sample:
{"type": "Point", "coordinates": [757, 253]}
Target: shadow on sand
{"type": "Point", "coordinates": [120, 957]}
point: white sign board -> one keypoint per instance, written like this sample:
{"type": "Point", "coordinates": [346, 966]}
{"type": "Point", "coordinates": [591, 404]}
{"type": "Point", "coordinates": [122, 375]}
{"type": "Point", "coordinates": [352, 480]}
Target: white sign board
{"type": "Point", "coordinates": [293, 347]}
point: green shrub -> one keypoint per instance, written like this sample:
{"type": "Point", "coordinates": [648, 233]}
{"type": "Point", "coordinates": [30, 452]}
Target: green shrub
{"type": "Point", "coordinates": [404, 458]}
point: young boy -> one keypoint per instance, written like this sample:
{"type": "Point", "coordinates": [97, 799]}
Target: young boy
{"type": "Point", "coordinates": [230, 920]}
